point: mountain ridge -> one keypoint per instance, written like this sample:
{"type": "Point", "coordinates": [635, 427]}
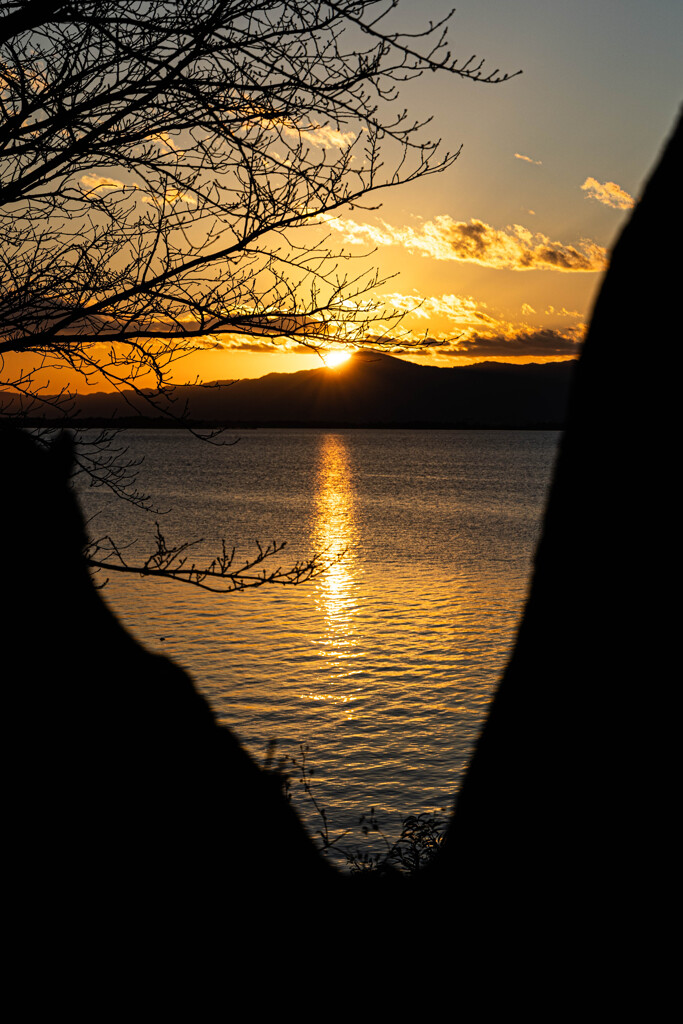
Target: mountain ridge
{"type": "Point", "coordinates": [369, 390]}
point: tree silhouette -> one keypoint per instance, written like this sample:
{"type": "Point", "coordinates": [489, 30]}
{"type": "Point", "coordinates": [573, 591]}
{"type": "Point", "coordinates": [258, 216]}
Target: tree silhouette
{"type": "Point", "coordinates": [164, 167]}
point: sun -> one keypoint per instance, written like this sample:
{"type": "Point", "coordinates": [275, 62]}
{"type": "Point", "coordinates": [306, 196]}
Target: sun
{"type": "Point", "coordinates": [336, 357]}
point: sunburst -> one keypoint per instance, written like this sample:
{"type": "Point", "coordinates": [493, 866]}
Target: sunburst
{"type": "Point", "coordinates": [337, 357]}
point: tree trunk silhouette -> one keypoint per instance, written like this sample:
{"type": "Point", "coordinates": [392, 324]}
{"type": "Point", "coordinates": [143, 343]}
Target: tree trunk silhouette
{"type": "Point", "coordinates": [565, 815]}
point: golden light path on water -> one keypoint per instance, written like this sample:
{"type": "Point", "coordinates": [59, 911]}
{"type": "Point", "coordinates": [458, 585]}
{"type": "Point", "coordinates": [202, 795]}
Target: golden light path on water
{"type": "Point", "coordinates": [384, 664]}
{"type": "Point", "coordinates": [335, 529]}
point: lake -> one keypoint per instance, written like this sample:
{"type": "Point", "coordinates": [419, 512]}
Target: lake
{"type": "Point", "coordinates": [385, 664]}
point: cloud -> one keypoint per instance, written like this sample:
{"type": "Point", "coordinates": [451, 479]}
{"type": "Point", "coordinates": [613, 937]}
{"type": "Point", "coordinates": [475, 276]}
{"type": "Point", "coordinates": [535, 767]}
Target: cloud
{"type": "Point", "coordinates": [609, 194]}
{"type": "Point", "coordinates": [574, 313]}
{"type": "Point", "coordinates": [176, 195]}
{"type": "Point", "coordinates": [527, 309]}
{"type": "Point", "coordinates": [98, 182]}
{"type": "Point", "coordinates": [322, 136]}
{"type": "Point", "coordinates": [458, 309]}
{"type": "Point", "coordinates": [459, 326]}
{"type": "Point", "coordinates": [523, 344]}
{"type": "Point", "coordinates": [264, 343]}
{"type": "Point", "coordinates": [528, 159]}
{"type": "Point", "coordinates": [509, 345]}
{"type": "Point", "coordinates": [512, 248]}
{"type": "Point", "coordinates": [539, 344]}
{"type": "Point", "coordinates": [171, 196]}
{"type": "Point", "coordinates": [247, 331]}
{"type": "Point", "coordinates": [165, 142]}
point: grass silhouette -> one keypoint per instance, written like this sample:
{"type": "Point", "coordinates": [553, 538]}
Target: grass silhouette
{"type": "Point", "coordinates": [418, 843]}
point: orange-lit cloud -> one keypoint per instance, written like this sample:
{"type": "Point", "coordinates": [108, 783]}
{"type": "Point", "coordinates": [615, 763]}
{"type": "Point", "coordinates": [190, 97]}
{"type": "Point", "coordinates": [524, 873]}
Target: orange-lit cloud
{"type": "Point", "coordinates": [528, 159]}
{"type": "Point", "coordinates": [541, 344]}
{"type": "Point", "coordinates": [514, 248]}
{"type": "Point", "coordinates": [266, 343]}
{"type": "Point", "coordinates": [165, 143]}
{"type": "Point", "coordinates": [448, 327]}
{"type": "Point", "coordinates": [609, 194]}
{"type": "Point", "coordinates": [460, 327]}
{"type": "Point", "coordinates": [171, 196]}
{"type": "Point", "coordinates": [98, 182]}
{"type": "Point", "coordinates": [101, 183]}
{"type": "Point", "coordinates": [526, 344]}
{"type": "Point", "coordinates": [574, 313]}
{"type": "Point", "coordinates": [455, 327]}
{"type": "Point", "coordinates": [323, 136]}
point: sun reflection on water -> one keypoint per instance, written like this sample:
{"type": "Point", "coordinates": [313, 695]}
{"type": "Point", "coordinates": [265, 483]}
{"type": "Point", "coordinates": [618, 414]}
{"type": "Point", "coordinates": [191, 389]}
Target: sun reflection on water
{"type": "Point", "coordinates": [335, 528]}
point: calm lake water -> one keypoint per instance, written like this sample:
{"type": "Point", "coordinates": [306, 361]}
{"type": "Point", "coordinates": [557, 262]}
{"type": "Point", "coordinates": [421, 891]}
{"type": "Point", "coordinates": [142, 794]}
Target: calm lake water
{"type": "Point", "coordinates": [384, 665]}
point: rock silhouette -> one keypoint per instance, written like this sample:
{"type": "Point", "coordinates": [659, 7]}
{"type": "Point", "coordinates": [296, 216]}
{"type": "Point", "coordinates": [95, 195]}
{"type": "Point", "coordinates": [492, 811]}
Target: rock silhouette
{"type": "Point", "coordinates": [132, 809]}
{"type": "Point", "coordinates": [127, 796]}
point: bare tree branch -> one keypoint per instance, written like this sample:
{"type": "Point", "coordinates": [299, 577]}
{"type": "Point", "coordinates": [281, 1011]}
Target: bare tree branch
{"type": "Point", "coordinates": [165, 171]}
{"type": "Point", "coordinates": [221, 575]}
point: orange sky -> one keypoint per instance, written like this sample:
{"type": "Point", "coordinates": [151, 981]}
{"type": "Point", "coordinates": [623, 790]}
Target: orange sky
{"type": "Point", "coordinates": [504, 252]}
{"type": "Point", "coordinates": [501, 256]}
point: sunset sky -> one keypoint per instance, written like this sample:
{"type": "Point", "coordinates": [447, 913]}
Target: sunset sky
{"type": "Point", "coordinates": [504, 251]}
{"type": "Point", "coordinates": [498, 257]}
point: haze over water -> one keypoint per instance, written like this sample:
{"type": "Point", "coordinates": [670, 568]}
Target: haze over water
{"type": "Point", "coordinates": [384, 665]}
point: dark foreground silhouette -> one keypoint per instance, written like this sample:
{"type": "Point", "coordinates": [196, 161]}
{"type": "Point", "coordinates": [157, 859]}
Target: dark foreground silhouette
{"type": "Point", "coordinates": [133, 814]}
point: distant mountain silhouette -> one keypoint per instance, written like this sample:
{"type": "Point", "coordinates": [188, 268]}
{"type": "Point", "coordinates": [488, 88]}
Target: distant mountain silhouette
{"type": "Point", "coordinates": [371, 390]}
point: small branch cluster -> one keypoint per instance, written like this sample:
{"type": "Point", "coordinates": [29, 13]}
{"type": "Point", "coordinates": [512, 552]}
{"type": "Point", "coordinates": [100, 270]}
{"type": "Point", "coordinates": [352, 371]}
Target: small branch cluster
{"type": "Point", "coordinates": [220, 576]}
{"type": "Point", "coordinates": [419, 842]}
